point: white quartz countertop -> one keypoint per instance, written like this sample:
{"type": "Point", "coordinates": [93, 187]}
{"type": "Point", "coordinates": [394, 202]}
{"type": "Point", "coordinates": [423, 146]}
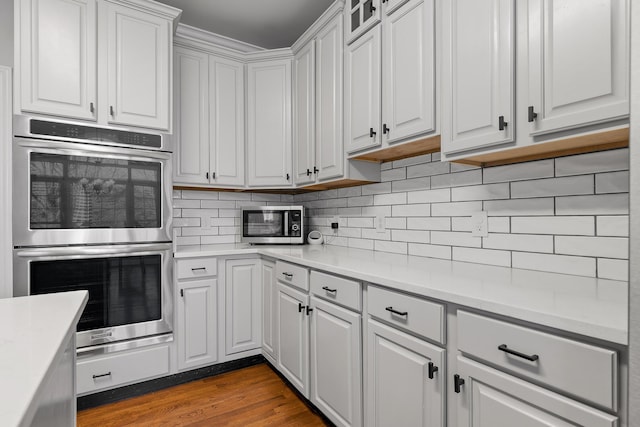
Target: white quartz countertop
{"type": "Point", "coordinates": [583, 305]}
{"type": "Point", "coordinates": [33, 333]}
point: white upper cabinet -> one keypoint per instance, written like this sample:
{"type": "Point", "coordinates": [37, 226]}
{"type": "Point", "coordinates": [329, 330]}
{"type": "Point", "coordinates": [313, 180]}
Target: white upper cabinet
{"type": "Point", "coordinates": [138, 68]}
{"type": "Point", "coordinates": [362, 92]}
{"type": "Point", "coordinates": [96, 60]}
{"type": "Point", "coordinates": [191, 109]}
{"type": "Point", "coordinates": [58, 57]}
{"type": "Point", "coordinates": [226, 121]}
{"type": "Point", "coordinates": [578, 63]}
{"type": "Point", "coordinates": [478, 73]}
{"type": "Point", "coordinates": [304, 106]}
{"type": "Point", "coordinates": [408, 71]}
{"type": "Point", "coordinates": [360, 16]}
{"type": "Point", "coordinates": [269, 158]}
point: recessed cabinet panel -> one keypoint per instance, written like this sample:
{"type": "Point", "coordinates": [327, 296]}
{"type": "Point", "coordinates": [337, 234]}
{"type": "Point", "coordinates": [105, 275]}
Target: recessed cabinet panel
{"type": "Point", "coordinates": [329, 157]}
{"type": "Point", "coordinates": [489, 398]}
{"type": "Point", "coordinates": [478, 74]}
{"type": "Point", "coordinates": [243, 313]}
{"type": "Point", "coordinates": [304, 107]}
{"type": "Point", "coordinates": [269, 124]}
{"type": "Point", "coordinates": [138, 68]}
{"type": "Point", "coordinates": [362, 97]}
{"type": "Point", "coordinates": [191, 109]}
{"type": "Point", "coordinates": [226, 124]}
{"type": "Point", "coordinates": [408, 72]}
{"type": "Point", "coordinates": [578, 62]}
{"type": "Point", "coordinates": [58, 57]}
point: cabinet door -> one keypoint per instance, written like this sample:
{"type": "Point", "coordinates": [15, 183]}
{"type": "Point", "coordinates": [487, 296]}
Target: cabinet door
{"type": "Point", "coordinates": [360, 16]}
{"type": "Point", "coordinates": [408, 73]}
{"type": "Point", "coordinates": [304, 113]}
{"type": "Point", "coordinates": [336, 363]}
{"type": "Point", "coordinates": [329, 96]}
{"type": "Point", "coordinates": [400, 391]}
{"type": "Point", "coordinates": [269, 309]}
{"type": "Point", "coordinates": [197, 323]}
{"type": "Point", "coordinates": [489, 398]}
{"type": "Point", "coordinates": [578, 63]}
{"type": "Point", "coordinates": [269, 123]}
{"type": "Point", "coordinates": [478, 74]}
{"type": "Point", "coordinates": [243, 311]}
{"type": "Point", "coordinates": [226, 106]}
{"type": "Point", "coordinates": [293, 337]}
{"type": "Point", "coordinates": [58, 57]}
{"type": "Point", "coordinates": [138, 68]}
{"type": "Point", "coordinates": [362, 97]}
{"type": "Point", "coordinates": [191, 122]}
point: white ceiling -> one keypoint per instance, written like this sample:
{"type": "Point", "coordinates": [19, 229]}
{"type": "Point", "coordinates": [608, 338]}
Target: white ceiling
{"type": "Point", "coordinates": [266, 23]}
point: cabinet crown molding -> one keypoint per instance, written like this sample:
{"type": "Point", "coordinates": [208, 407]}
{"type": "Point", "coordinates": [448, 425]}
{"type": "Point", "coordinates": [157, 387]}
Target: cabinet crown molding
{"type": "Point", "coordinates": [153, 7]}
{"type": "Point", "coordinates": [336, 8]}
{"type": "Point", "coordinates": [186, 34]}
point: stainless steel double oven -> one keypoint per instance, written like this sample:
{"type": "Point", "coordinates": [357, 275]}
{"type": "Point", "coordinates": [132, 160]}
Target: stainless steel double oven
{"type": "Point", "coordinates": [92, 210]}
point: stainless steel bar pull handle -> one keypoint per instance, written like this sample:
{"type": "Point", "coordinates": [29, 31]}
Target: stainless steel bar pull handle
{"type": "Point", "coordinates": [530, 358]}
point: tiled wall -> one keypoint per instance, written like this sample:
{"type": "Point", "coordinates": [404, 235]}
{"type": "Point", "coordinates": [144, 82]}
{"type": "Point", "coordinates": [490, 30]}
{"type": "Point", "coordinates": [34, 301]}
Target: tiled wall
{"type": "Point", "coordinates": [566, 215]}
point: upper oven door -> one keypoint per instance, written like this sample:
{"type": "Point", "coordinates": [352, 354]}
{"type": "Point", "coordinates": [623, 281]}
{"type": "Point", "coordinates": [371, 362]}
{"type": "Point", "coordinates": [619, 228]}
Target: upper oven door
{"type": "Point", "coordinates": [71, 193]}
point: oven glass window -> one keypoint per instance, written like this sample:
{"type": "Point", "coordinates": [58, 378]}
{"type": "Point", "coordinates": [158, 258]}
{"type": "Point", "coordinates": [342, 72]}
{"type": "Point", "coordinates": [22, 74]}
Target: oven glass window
{"type": "Point", "coordinates": [75, 192]}
{"type": "Point", "coordinates": [263, 223]}
{"type": "Point", "coordinates": [122, 290]}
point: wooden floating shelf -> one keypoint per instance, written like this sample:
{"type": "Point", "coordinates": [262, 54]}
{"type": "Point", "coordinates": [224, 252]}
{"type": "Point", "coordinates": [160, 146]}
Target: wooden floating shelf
{"type": "Point", "coordinates": [402, 151]}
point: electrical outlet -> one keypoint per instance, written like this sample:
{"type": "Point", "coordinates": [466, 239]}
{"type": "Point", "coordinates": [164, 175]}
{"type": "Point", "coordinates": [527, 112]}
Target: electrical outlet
{"type": "Point", "coordinates": [335, 223]}
{"type": "Point", "coordinates": [479, 224]}
{"type": "Point", "coordinates": [380, 224]}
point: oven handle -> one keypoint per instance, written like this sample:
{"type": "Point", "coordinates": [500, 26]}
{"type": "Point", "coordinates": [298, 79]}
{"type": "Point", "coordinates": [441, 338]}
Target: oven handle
{"type": "Point", "coordinates": [92, 250]}
{"type": "Point", "coordinates": [72, 149]}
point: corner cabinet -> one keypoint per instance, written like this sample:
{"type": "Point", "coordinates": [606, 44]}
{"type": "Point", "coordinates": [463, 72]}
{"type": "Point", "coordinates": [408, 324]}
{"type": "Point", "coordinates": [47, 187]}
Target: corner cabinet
{"type": "Point", "coordinates": [269, 310]}
{"type": "Point", "coordinates": [209, 119]}
{"type": "Point", "coordinates": [110, 51]}
{"type": "Point", "coordinates": [243, 309]}
{"type": "Point", "coordinates": [269, 139]}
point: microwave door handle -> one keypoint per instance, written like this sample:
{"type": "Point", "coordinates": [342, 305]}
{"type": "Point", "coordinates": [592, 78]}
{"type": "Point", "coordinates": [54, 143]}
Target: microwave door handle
{"type": "Point", "coordinates": [286, 223]}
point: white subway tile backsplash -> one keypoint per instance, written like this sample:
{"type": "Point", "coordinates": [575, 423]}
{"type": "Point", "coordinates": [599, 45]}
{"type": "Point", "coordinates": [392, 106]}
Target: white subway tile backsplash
{"type": "Point", "coordinates": [604, 204]}
{"type": "Point", "coordinates": [612, 182]}
{"type": "Point", "coordinates": [569, 225]}
{"type": "Point", "coordinates": [520, 171]}
{"type": "Point", "coordinates": [617, 226]}
{"type": "Point", "coordinates": [579, 266]}
{"type": "Point", "coordinates": [431, 251]}
{"type": "Point", "coordinates": [605, 247]}
{"type": "Point", "coordinates": [565, 215]}
{"type": "Point", "coordinates": [482, 256]}
{"type": "Point", "coordinates": [572, 185]}
{"type": "Point", "coordinates": [603, 161]}
{"type": "Point", "coordinates": [480, 192]}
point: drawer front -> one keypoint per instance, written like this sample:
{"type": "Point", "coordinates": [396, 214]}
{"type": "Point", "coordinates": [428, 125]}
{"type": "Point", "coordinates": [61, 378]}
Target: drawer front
{"type": "Point", "coordinates": [341, 291]}
{"type": "Point", "coordinates": [583, 370]}
{"type": "Point", "coordinates": [195, 268]}
{"type": "Point", "coordinates": [110, 371]}
{"type": "Point", "coordinates": [293, 275]}
{"type": "Point", "coordinates": [412, 314]}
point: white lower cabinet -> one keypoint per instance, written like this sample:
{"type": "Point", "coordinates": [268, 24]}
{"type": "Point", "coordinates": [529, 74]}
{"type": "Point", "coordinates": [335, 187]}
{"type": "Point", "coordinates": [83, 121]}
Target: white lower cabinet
{"type": "Point", "coordinates": [293, 337]}
{"type": "Point", "coordinates": [405, 379]}
{"type": "Point", "coordinates": [336, 363]}
{"type": "Point", "coordinates": [269, 310]}
{"type": "Point", "coordinates": [197, 324]}
{"type": "Point", "coordinates": [243, 312]}
{"type": "Point", "coordinates": [490, 398]}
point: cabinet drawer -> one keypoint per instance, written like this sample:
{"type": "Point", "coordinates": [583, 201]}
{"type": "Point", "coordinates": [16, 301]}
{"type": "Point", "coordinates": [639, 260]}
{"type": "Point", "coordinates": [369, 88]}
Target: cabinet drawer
{"type": "Point", "coordinates": [194, 268]}
{"type": "Point", "coordinates": [582, 370]}
{"type": "Point", "coordinates": [413, 314]}
{"type": "Point", "coordinates": [118, 369]}
{"type": "Point", "coordinates": [341, 291]}
{"type": "Point", "coordinates": [293, 275]}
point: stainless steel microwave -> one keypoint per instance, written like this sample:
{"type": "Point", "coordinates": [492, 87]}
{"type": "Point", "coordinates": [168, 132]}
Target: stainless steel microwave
{"type": "Point", "coordinates": [273, 225]}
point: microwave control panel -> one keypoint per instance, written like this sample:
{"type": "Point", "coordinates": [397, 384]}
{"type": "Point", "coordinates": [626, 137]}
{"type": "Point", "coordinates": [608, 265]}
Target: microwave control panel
{"type": "Point", "coordinates": [295, 223]}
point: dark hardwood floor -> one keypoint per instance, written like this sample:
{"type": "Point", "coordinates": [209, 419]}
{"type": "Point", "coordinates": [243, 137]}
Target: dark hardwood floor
{"type": "Point", "coordinates": [253, 396]}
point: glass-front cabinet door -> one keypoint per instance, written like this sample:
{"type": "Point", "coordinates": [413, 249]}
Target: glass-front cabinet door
{"type": "Point", "coordinates": [361, 15]}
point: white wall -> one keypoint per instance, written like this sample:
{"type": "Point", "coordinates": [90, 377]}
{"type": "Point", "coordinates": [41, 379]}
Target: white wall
{"type": "Point", "coordinates": [6, 32]}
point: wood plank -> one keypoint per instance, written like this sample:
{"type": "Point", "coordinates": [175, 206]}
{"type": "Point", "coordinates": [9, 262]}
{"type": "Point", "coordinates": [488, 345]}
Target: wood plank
{"type": "Point", "coordinates": [253, 396]}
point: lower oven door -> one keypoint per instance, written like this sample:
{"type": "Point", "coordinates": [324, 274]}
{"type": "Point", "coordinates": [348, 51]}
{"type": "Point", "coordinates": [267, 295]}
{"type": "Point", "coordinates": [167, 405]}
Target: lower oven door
{"type": "Point", "coordinates": [130, 287]}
